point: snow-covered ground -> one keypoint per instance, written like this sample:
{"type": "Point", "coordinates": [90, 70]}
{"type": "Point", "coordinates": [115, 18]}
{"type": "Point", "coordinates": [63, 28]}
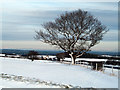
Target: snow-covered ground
{"type": "Point", "coordinates": [109, 71]}
{"type": "Point", "coordinates": [16, 84]}
{"type": "Point", "coordinates": [56, 72]}
{"type": "Point", "coordinates": [13, 81]}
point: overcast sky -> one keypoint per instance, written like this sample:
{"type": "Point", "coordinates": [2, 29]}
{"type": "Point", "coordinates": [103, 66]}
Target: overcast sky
{"type": "Point", "coordinates": [20, 19]}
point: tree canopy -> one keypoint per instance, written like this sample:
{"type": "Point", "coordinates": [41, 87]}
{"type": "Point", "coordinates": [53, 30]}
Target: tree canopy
{"type": "Point", "coordinates": [76, 31]}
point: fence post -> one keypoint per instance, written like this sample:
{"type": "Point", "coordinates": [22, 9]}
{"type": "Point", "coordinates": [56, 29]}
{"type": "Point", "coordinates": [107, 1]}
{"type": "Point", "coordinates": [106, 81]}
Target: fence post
{"type": "Point", "coordinates": [103, 68]}
{"type": "Point", "coordinates": [112, 69]}
{"type": "Point", "coordinates": [96, 66]}
{"type": "Point", "coordinates": [84, 64]}
{"type": "Point", "coordinates": [91, 65]}
{"type": "Point", "coordinates": [87, 64]}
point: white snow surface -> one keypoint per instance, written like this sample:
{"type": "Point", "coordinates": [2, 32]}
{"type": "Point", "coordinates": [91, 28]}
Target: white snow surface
{"type": "Point", "coordinates": [57, 72]}
{"type": "Point", "coordinates": [1, 55]}
{"type": "Point", "coordinates": [16, 84]}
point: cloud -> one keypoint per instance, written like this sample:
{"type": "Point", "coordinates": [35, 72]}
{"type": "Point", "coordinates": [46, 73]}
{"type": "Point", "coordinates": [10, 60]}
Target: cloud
{"type": "Point", "coordinates": [9, 1]}
{"type": "Point", "coordinates": [106, 46]}
{"type": "Point", "coordinates": [102, 46]}
{"type": "Point", "coordinates": [111, 35]}
{"type": "Point", "coordinates": [21, 19]}
{"type": "Point", "coordinates": [27, 45]}
{"type": "Point", "coordinates": [25, 23]}
{"type": "Point", "coordinates": [107, 17]}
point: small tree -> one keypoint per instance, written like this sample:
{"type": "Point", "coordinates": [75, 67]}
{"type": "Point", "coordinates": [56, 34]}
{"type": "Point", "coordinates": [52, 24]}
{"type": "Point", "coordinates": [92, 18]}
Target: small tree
{"type": "Point", "coordinates": [32, 55]}
{"type": "Point", "coordinates": [74, 32]}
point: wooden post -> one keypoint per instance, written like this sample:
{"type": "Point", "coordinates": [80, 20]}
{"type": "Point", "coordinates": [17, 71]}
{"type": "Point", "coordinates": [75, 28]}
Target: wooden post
{"type": "Point", "coordinates": [83, 64]}
{"type": "Point", "coordinates": [80, 62]}
{"type": "Point", "coordinates": [103, 67]}
{"type": "Point", "coordinates": [87, 64]}
{"type": "Point", "coordinates": [96, 66]}
{"type": "Point", "coordinates": [112, 69]}
{"type": "Point", "coordinates": [91, 65]}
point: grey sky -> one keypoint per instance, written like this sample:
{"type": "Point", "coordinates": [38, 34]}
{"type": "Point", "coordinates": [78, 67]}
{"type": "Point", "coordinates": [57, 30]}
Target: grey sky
{"type": "Point", "coordinates": [20, 18]}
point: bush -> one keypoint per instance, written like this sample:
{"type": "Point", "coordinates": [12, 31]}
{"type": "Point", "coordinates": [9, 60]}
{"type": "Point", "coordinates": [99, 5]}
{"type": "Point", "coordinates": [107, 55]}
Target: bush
{"type": "Point", "coordinates": [32, 55]}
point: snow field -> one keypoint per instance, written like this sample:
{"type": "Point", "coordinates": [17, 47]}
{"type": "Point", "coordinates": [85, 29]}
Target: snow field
{"type": "Point", "coordinates": [26, 81]}
{"type": "Point", "coordinates": [58, 73]}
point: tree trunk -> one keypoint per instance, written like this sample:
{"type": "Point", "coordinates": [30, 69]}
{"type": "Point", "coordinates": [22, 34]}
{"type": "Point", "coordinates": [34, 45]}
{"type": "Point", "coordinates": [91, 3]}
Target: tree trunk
{"type": "Point", "coordinates": [72, 58]}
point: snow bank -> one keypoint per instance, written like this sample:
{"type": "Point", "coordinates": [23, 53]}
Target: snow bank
{"type": "Point", "coordinates": [86, 59]}
{"type": "Point", "coordinates": [2, 55]}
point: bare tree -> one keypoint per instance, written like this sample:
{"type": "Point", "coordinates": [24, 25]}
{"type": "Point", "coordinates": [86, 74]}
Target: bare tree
{"type": "Point", "coordinates": [74, 32]}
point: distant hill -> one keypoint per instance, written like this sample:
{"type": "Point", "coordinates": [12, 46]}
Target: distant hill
{"type": "Point", "coordinates": [51, 52]}
{"type": "Point", "coordinates": [24, 52]}
{"type": "Point", "coordinates": [106, 53]}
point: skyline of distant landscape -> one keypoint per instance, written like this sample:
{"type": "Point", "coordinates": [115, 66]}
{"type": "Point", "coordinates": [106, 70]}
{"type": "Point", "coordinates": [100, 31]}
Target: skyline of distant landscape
{"type": "Point", "coordinates": [20, 19]}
